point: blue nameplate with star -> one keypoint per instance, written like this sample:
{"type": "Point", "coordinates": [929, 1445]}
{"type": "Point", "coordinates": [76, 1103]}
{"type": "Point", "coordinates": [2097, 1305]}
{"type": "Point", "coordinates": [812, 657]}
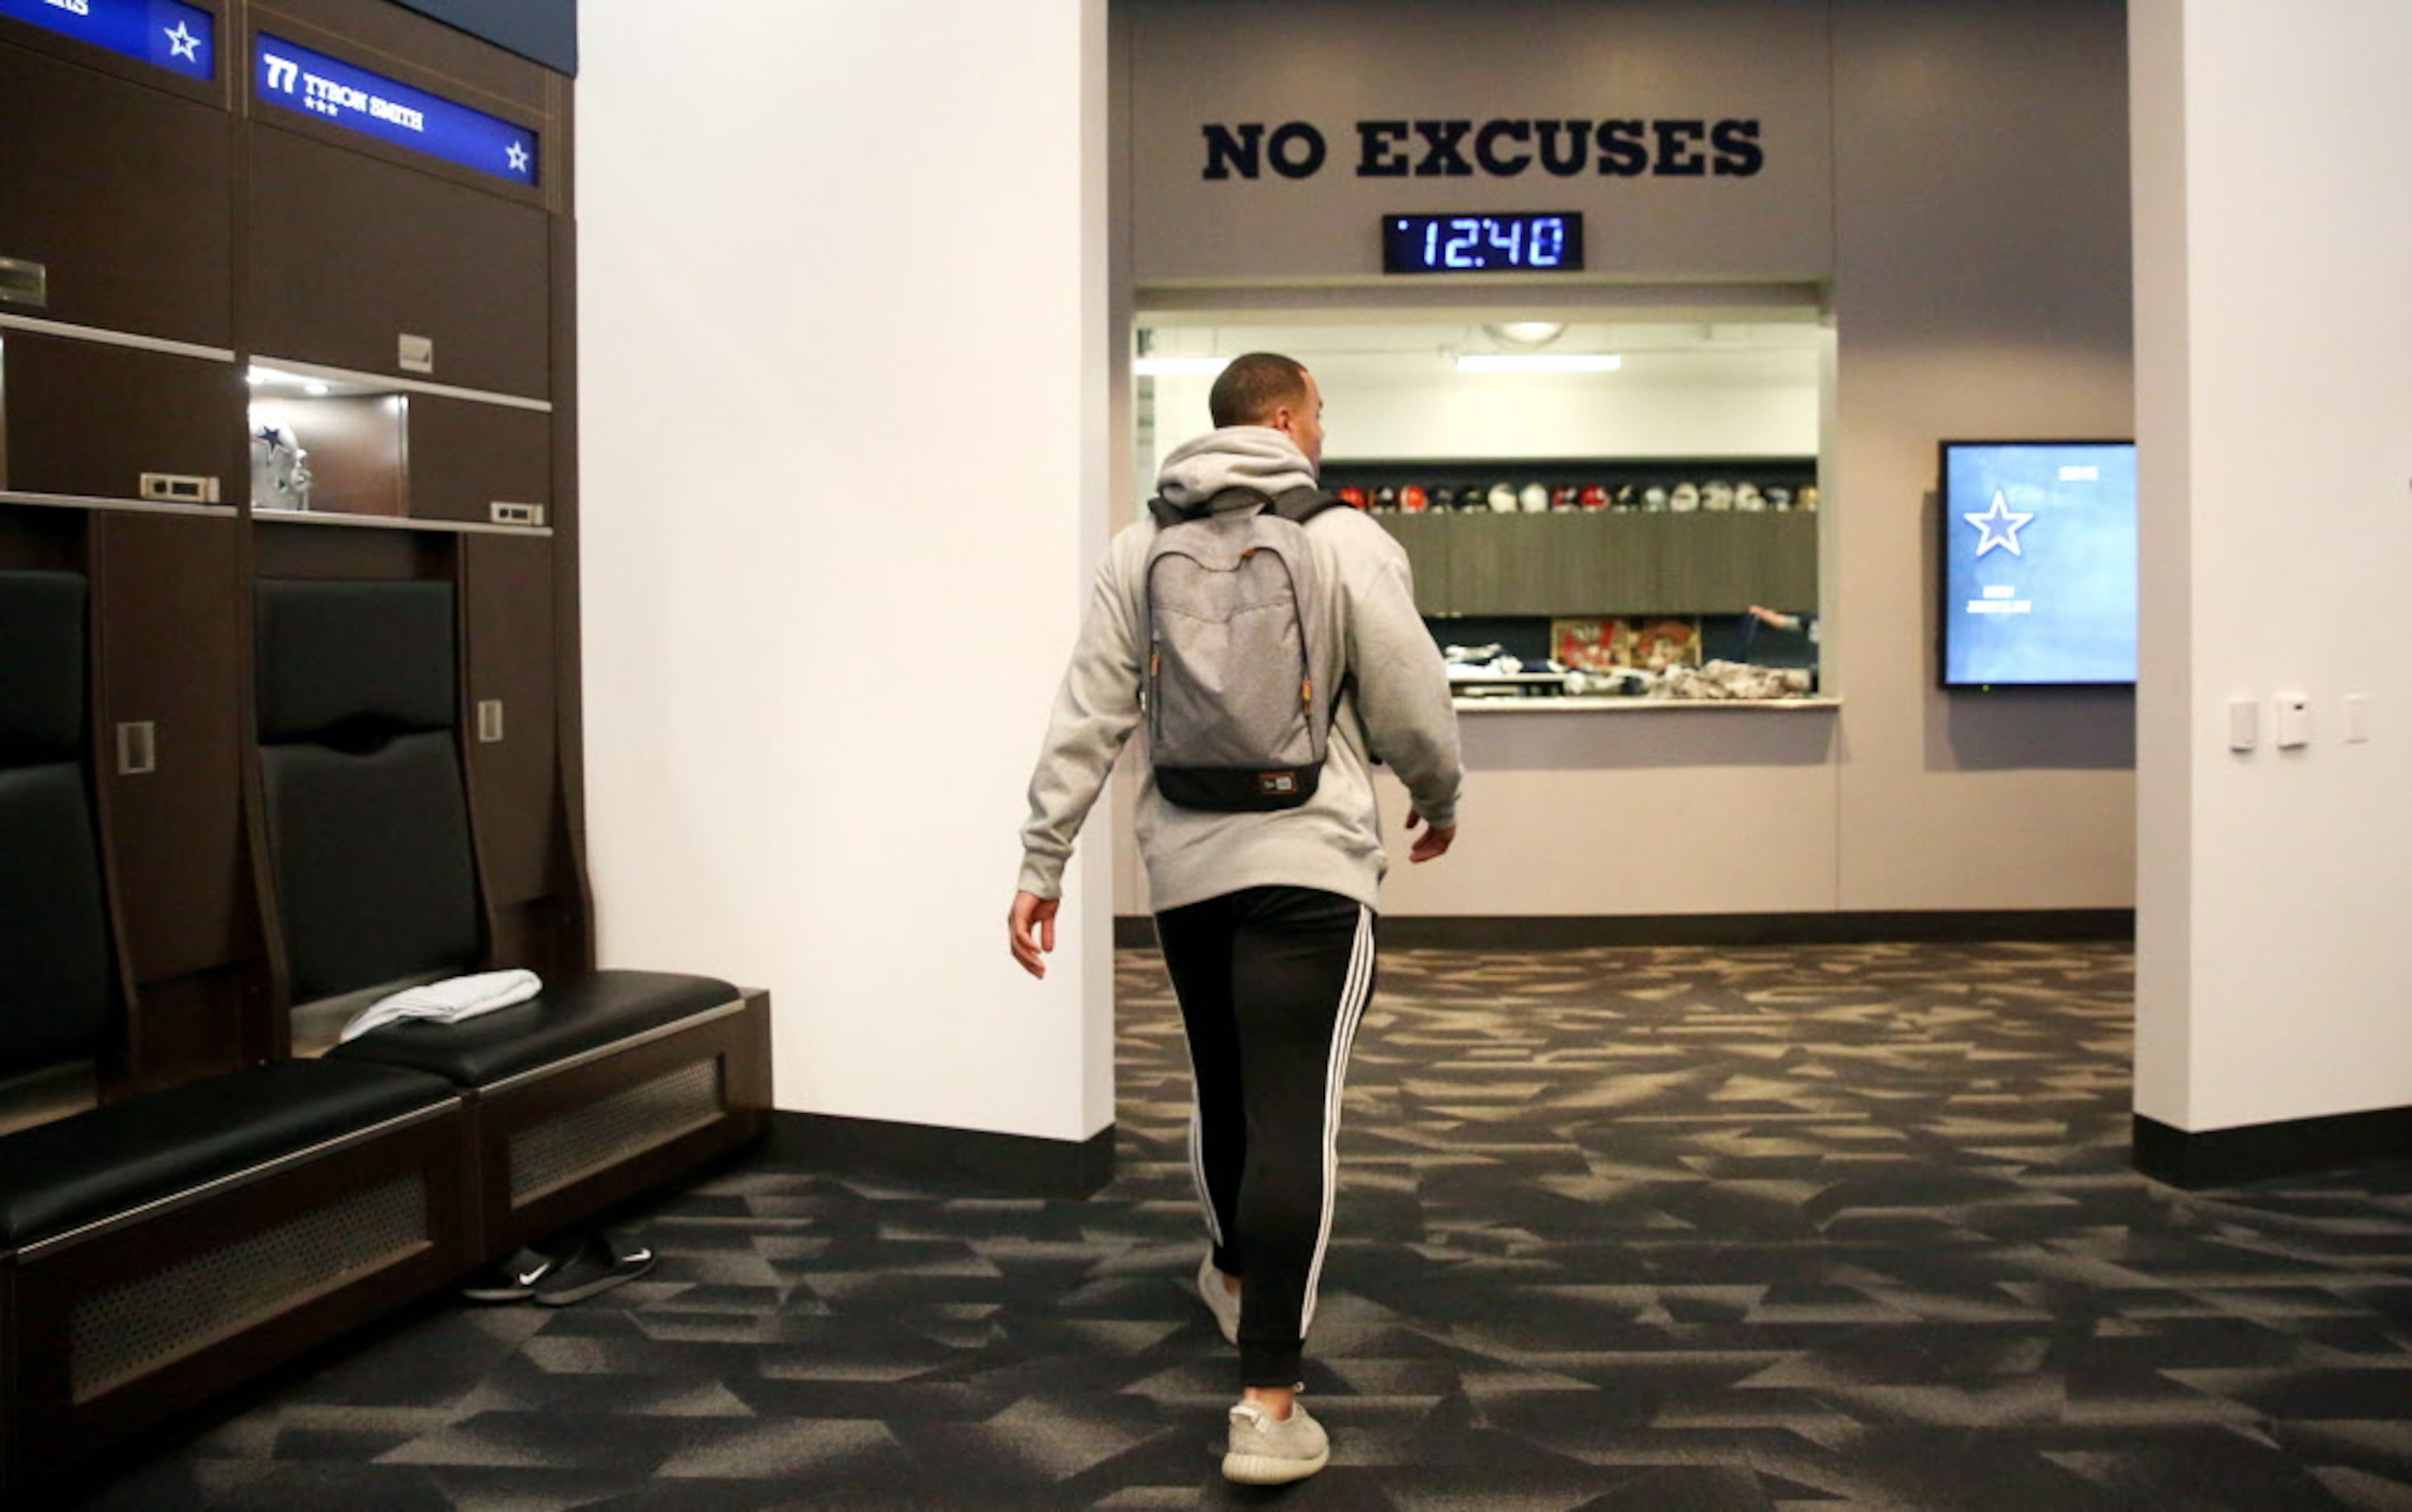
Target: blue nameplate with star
{"type": "Point", "coordinates": [177, 37]}
{"type": "Point", "coordinates": [375, 106]}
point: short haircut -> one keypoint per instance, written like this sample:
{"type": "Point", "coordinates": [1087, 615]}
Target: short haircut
{"type": "Point", "coordinates": [1251, 388]}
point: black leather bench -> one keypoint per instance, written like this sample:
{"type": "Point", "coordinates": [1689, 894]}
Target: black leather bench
{"type": "Point", "coordinates": [606, 1083]}
{"type": "Point", "coordinates": [156, 1249]}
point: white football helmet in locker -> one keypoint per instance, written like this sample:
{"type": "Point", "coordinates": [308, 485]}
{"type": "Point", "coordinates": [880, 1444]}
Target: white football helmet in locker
{"type": "Point", "coordinates": [280, 469]}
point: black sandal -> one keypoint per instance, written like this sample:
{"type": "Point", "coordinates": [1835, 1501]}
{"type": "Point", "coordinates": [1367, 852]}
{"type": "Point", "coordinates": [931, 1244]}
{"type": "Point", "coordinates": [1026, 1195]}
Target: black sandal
{"type": "Point", "coordinates": [595, 1266]}
{"type": "Point", "coordinates": [515, 1279]}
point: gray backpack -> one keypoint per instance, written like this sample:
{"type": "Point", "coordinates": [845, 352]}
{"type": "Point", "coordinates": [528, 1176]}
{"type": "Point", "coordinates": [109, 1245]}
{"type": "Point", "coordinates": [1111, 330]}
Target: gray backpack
{"type": "Point", "coordinates": [1240, 689]}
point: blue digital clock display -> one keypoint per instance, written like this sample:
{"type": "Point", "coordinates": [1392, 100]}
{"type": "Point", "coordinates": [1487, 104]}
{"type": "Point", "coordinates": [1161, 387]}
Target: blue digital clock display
{"type": "Point", "coordinates": [1541, 242]}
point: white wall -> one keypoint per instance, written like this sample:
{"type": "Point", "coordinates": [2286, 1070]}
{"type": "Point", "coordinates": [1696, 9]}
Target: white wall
{"type": "Point", "coordinates": [2273, 397]}
{"type": "Point", "coordinates": [845, 429]}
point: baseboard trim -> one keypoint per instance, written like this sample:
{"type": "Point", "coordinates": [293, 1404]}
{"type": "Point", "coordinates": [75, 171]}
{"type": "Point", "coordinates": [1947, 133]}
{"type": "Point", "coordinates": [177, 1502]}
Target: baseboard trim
{"type": "Point", "coordinates": [968, 1161]}
{"type": "Point", "coordinates": [1573, 931]}
{"type": "Point", "coordinates": [2263, 1152]}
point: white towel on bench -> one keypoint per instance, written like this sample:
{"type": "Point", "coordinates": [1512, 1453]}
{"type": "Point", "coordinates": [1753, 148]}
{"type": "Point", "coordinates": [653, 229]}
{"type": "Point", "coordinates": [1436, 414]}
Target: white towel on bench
{"type": "Point", "coordinates": [445, 1002]}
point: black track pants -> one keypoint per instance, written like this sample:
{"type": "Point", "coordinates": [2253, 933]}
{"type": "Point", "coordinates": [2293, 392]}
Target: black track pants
{"type": "Point", "coordinates": [1272, 982]}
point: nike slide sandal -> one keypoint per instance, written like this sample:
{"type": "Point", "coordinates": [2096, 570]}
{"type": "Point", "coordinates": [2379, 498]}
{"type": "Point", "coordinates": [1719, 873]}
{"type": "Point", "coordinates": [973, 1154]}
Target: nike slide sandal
{"type": "Point", "coordinates": [595, 1266]}
{"type": "Point", "coordinates": [514, 1280]}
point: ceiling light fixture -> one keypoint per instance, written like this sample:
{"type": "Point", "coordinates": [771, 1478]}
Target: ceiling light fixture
{"type": "Point", "coordinates": [1527, 333]}
{"type": "Point", "coordinates": [1538, 363]}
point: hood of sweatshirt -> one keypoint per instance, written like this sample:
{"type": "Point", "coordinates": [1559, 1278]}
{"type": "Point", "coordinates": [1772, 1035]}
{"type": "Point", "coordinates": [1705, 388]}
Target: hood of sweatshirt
{"type": "Point", "coordinates": [1251, 456]}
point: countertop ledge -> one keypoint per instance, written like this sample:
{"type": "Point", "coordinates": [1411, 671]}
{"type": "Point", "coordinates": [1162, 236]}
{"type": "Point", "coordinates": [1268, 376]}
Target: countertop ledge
{"type": "Point", "coordinates": [1563, 705]}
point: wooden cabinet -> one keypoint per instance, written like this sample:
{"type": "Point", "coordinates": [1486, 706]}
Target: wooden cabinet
{"type": "Point", "coordinates": [1618, 561]}
{"type": "Point", "coordinates": [170, 766]}
{"type": "Point", "coordinates": [347, 255]}
{"type": "Point", "coordinates": [94, 420]}
{"type": "Point", "coordinates": [515, 791]}
{"type": "Point", "coordinates": [171, 655]}
{"type": "Point", "coordinates": [465, 458]}
{"type": "Point", "coordinates": [1607, 564]}
{"type": "Point", "coordinates": [386, 452]}
{"type": "Point", "coordinates": [119, 194]}
{"type": "Point", "coordinates": [1427, 539]}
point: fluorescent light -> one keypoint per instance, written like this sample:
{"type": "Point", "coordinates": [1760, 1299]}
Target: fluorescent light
{"type": "Point", "coordinates": [315, 390]}
{"type": "Point", "coordinates": [1176, 367]}
{"type": "Point", "coordinates": [1538, 362]}
{"type": "Point", "coordinates": [271, 375]}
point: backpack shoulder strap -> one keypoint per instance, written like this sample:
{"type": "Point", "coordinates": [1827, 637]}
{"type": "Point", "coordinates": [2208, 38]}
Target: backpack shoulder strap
{"type": "Point", "coordinates": [1168, 514]}
{"type": "Point", "coordinates": [1303, 503]}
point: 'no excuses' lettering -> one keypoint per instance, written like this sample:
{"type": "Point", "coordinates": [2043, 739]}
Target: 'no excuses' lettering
{"type": "Point", "coordinates": [1501, 149]}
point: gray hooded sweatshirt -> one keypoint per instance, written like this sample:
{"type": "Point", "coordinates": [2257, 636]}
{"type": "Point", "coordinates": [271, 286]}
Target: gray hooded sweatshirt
{"type": "Point", "coordinates": [1398, 706]}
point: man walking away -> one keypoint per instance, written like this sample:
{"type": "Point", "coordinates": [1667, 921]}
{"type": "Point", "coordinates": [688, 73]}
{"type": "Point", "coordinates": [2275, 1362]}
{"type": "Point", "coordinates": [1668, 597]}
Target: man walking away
{"type": "Point", "coordinates": [1264, 868]}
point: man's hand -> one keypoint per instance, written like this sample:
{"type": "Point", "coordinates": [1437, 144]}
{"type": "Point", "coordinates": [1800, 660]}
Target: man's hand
{"type": "Point", "coordinates": [1433, 842]}
{"type": "Point", "coordinates": [1032, 924]}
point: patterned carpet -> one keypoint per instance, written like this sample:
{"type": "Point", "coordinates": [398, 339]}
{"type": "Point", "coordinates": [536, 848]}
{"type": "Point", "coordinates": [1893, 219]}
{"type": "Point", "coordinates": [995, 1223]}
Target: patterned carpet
{"type": "Point", "coordinates": [1668, 1228]}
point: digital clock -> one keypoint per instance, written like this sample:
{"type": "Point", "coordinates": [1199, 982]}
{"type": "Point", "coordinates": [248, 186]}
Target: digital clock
{"type": "Point", "coordinates": [1534, 242]}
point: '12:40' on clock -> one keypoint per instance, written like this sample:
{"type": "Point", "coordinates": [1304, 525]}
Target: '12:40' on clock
{"type": "Point", "coordinates": [1539, 242]}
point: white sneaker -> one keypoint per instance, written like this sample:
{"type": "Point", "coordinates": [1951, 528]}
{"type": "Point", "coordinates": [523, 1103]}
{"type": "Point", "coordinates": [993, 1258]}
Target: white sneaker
{"type": "Point", "coordinates": [1269, 1451]}
{"type": "Point", "coordinates": [1222, 1302]}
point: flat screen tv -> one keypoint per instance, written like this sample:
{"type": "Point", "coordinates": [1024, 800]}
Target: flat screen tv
{"type": "Point", "coordinates": [2039, 564]}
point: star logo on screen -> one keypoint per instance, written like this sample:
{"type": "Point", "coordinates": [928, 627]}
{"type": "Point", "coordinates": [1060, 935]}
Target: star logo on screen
{"type": "Point", "coordinates": [519, 156]}
{"type": "Point", "coordinates": [182, 43]}
{"type": "Point", "coordinates": [1999, 526]}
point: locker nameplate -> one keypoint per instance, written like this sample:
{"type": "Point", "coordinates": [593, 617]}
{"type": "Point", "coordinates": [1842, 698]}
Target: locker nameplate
{"type": "Point", "coordinates": [165, 33]}
{"type": "Point", "coordinates": [391, 112]}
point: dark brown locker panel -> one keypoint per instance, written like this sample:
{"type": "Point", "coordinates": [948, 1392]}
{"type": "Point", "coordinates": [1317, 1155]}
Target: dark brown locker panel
{"type": "Point", "coordinates": [540, 935]}
{"type": "Point", "coordinates": [119, 194]}
{"type": "Point", "coordinates": [1426, 538]}
{"type": "Point", "coordinates": [514, 788]}
{"type": "Point", "coordinates": [186, 1028]}
{"type": "Point", "coordinates": [171, 664]}
{"type": "Point", "coordinates": [291, 547]}
{"type": "Point", "coordinates": [83, 418]}
{"type": "Point", "coordinates": [347, 254]}
{"type": "Point", "coordinates": [467, 457]}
